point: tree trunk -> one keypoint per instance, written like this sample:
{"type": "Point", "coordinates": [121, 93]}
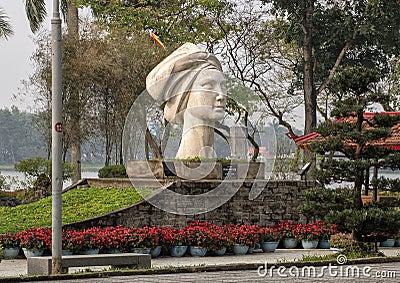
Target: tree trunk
{"type": "Point", "coordinates": [75, 145]}
{"type": "Point", "coordinates": [310, 98]}
{"type": "Point", "coordinates": [75, 150]}
{"type": "Point", "coordinates": [358, 182]}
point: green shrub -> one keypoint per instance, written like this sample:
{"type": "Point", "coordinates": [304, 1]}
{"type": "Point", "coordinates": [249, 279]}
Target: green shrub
{"type": "Point", "coordinates": [319, 201]}
{"type": "Point", "coordinates": [34, 167]}
{"type": "Point", "coordinates": [370, 221]}
{"type": "Point", "coordinates": [78, 204]}
{"type": "Point", "coordinates": [113, 171]}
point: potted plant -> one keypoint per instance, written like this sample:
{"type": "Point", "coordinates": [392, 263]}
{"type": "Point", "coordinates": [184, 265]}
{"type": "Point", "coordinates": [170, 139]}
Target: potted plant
{"type": "Point", "coordinates": [202, 237]}
{"type": "Point", "coordinates": [242, 237]}
{"type": "Point", "coordinates": [10, 244]}
{"type": "Point", "coordinates": [221, 240]}
{"type": "Point", "coordinates": [269, 238]}
{"type": "Point", "coordinates": [286, 229]}
{"type": "Point", "coordinates": [115, 239]}
{"type": "Point", "coordinates": [66, 243]}
{"type": "Point", "coordinates": [176, 240]}
{"type": "Point", "coordinates": [35, 240]}
{"type": "Point", "coordinates": [325, 232]}
{"type": "Point", "coordinates": [88, 241]}
{"type": "Point", "coordinates": [308, 234]}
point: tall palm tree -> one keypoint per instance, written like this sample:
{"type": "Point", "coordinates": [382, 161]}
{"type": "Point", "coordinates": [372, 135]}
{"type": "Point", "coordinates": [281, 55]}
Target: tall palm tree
{"type": "Point", "coordinates": [35, 11]}
{"type": "Point", "coordinates": [5, 27]}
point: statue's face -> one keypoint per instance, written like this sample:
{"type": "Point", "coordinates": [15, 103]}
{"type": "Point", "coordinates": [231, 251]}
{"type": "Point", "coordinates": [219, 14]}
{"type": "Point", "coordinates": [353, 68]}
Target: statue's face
{"type": "Point", "coordinates": [207, 100]}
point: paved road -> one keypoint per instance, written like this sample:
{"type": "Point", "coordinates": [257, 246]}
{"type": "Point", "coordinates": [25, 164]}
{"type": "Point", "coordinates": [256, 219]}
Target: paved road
{"type": "Point", "coordinates": [366, 273]}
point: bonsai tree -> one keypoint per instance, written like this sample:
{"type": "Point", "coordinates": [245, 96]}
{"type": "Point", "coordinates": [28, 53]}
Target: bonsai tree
{"type": "Point", "coordinates": [359, 136]}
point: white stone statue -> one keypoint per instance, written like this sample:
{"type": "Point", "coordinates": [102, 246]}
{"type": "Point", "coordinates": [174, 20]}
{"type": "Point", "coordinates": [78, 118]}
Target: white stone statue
{"type": "Point", "coordinates": [193, 86]}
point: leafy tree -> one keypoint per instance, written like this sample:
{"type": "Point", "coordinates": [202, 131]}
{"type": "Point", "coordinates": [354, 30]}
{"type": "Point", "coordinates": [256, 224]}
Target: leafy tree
{"type": "Point", "coordinates": [18, 136]}
{"type": "Point", "coordinates": [108, 73]}
{"type": "Point", "coordinates": [5, 26]}
{"type": "Point", "coordinates": [174, 21]}
{"type": "Point", "coordinates": [35, 11]}
{"type": "Point", "coordinates": [334, 33]}
{"type": "Point", "coordinates": [357, 136]}
{"type": "Point", "coordinates": [256, 54]}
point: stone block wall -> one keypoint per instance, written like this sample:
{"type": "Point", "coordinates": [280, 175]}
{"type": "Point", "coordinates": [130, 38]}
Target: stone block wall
{"type": "Point", "coordinates": [278, 201]}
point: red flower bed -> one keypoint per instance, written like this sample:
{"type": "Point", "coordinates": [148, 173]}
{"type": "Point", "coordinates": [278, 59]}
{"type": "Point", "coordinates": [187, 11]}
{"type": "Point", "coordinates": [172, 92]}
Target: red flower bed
{"type": "Point", "coordinates": [35, 238]}
{"type": "Point", "coordinates": [198, 233]}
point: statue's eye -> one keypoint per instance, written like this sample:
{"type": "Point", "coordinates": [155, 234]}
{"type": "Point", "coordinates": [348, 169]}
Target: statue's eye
{"type": "Point", "coordinates": [207, 85]}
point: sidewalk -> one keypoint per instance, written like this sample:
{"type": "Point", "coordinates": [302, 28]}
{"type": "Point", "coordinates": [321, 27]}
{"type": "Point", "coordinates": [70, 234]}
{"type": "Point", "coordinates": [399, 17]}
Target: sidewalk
{"type": "Point", "coordinates": [18, 267]}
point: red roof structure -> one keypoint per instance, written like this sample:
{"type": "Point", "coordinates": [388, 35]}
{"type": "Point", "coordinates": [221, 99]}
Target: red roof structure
{"type": "Point", "coordinates": [392, 141]}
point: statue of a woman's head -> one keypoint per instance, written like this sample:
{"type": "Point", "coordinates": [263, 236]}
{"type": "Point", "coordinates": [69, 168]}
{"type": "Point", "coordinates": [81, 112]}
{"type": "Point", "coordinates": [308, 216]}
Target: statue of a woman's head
{"type": "Point", "coordinates": [189, 80]}
{"type": "Point", "coordinates": [191, 84]}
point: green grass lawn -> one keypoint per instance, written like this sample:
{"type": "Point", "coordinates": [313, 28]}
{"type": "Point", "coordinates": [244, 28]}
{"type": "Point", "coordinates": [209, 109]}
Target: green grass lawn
{"type": "Point", "coordinates": [78, 204]}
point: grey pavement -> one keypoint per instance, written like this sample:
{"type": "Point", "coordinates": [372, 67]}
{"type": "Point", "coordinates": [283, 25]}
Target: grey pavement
{"type": "Point", "coordinates": [254, 267]}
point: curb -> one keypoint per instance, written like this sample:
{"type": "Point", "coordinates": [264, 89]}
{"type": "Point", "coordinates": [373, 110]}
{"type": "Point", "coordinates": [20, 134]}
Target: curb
{"type": "Point", "coordinates": [192, 269]}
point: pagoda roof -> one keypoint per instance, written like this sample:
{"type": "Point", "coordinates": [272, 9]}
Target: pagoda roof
{"type": "Point", "coordinates": [392, 141]}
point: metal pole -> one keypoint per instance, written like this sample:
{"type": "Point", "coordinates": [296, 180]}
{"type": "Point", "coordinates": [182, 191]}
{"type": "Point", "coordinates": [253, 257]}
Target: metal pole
{"type": "Point", "coordinates": [56, 141]}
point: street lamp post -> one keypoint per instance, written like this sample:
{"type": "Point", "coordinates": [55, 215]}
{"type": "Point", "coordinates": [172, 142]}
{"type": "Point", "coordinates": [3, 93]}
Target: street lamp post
{"type": "Point", "coordinates": [56, 139]}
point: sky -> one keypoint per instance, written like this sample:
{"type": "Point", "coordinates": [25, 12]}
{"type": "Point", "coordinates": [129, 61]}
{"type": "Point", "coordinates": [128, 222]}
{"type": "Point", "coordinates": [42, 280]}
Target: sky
{"type": "Point", "coordinates": [15, 54]}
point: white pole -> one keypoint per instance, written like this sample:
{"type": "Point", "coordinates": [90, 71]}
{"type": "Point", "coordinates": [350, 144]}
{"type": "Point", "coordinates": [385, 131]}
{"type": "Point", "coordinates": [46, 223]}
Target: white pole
{"type": "Point", "coordinates": [56, 141]}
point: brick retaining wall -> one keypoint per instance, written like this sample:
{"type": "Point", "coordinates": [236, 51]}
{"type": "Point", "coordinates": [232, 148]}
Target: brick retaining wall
{"type": "Point", "coordinates": [278, 201]}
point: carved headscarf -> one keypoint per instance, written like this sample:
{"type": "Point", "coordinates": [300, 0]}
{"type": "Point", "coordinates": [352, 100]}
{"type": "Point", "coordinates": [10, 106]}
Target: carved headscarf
{"type": "Point", "coordinates": [171, 80]}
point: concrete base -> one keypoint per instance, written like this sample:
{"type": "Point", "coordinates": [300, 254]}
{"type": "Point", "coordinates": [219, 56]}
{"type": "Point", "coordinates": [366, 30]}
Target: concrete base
{"type": "Point", "coordinates": [195, 170]}
{"type": "Point", "coordinates": [43, 264]}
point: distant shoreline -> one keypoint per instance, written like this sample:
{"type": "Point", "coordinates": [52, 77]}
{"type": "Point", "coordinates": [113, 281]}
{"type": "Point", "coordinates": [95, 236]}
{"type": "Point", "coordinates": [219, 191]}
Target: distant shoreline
{"type": "Point", "coordinates": [85, 168]}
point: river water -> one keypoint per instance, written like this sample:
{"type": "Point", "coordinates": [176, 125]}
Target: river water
{"type": "Point", "coordinates": [11, 175]}
{"type": "Point", "coordinates": [93, 174]}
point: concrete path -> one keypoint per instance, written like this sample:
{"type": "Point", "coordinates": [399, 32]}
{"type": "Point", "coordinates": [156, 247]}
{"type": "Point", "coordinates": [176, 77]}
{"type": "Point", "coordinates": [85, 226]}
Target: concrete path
{"type": "Point", "coordinates": [18, 267]}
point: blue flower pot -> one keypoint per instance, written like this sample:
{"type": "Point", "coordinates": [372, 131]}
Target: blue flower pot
{"type": "Point", "coordinates": [155, 252]}
{"type": "Point", "coordinates": [197, 251]}
{"type": "Point", "coordinates": [10, 253]}
{"type": "Point", "coordinates": [324, 244]}
{"type": "Point", "coordinates": [141, 251]}
{"type": "Point", "coordinates": [113, 251]}
{"type": "Point", "coordinates": [397, 242]}
{"type": "Point", "coordinates": [177, 251]}
{"type": "Point", "coordinates": [309, 244]}
{"type": "Point", "coordinates": [240, 250]}
{"type": "Point", "coordinates": [289, 243]}
{"type": "Point", "coordinates": [269, 247]}
{"type": "Point", "coordinates": [389, 243]}
{"type": "Point", "coordinates": [66, 252]}
{"type": "Point", "coordinates": [90, 252]}
{"type": "Point", "coordinates": [32, 253]}
{"type": "Point", "coordinates": [220, 252]}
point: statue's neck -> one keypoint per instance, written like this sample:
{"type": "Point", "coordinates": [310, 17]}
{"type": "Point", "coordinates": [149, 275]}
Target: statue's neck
{"type": "Point", "coordinates": [197, 139]}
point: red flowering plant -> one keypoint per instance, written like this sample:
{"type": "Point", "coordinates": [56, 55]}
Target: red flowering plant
{"type": "Point", "coordinates": [220, 237]}
{"type": "Point", "coordinates": [286, 228]}
{"type": "Point", "coordinates": [115, 238]}
{"type": "Point", "coordinates": [87, 239]}
{"type": "Point", "coordinates": [35, 238]}
{"type": "Point", "coordinates": [66, 242]}
{"type": "Point", "coordinates": [199, 234]}
{"type": "Point", "coordinates": [326, 230]}
{"type": "Point", "coordinates": [166, 236]}
{"type": "Point", "coordinates": [306, 231]}
{"type": "Point", "coordinates": [243, 235]}
{"type": "Point", "coordinates": [269, 234]}
{"type": "Point", "coordinates": [148, 237]}
{"type": "Point", "coordinates": [143, 238]}
{"type": "Point", "coordinates": [174, 236]}
{"type": "Point", "coordinates": [9, 240]}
